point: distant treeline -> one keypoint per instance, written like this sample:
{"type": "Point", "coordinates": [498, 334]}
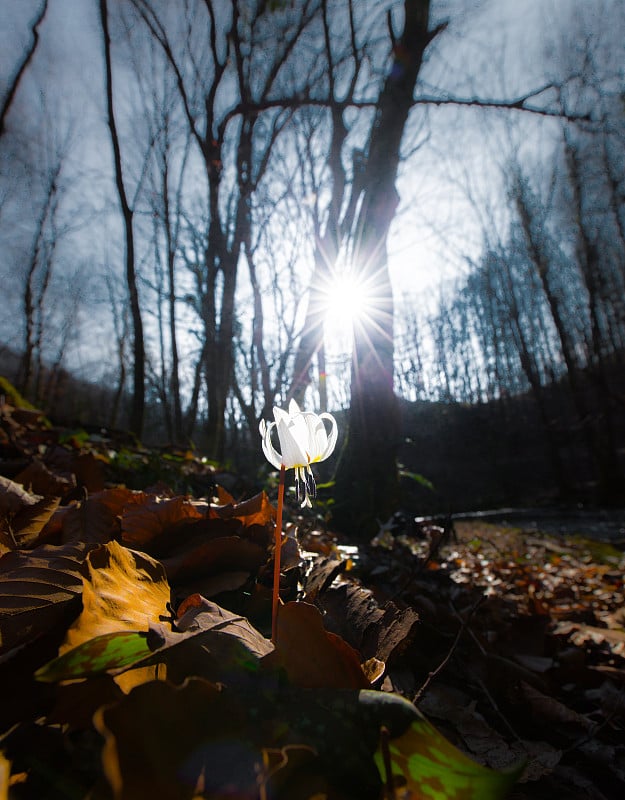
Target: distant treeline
{"type": "Point", "coordinates": [453, 456]}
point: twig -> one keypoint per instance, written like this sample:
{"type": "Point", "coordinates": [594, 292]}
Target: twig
{"type": "Point", "coordinates": [445, 661]}
{"type": "Point", "coordinates": [496, 708]}
{"type": "Point", "coordinates": [479, 681]}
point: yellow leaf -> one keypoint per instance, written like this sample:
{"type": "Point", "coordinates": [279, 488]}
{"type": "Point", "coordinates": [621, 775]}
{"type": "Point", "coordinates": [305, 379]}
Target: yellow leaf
{"type": "Point", "coordinates": [123, 591]}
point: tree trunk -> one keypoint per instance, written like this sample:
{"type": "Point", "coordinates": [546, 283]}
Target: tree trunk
{"type": "Point", "coordinates": [367, 481]}
{"type": "Point", "coordinates": [174, 383]}
{"type": "Point", "coordinates": [138, 392]}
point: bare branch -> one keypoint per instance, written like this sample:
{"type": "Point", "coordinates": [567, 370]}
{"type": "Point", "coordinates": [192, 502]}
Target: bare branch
{"type": "Point", "coordinates": [520, 103]}
{"type": "Point", "coordinates": [30, 51]}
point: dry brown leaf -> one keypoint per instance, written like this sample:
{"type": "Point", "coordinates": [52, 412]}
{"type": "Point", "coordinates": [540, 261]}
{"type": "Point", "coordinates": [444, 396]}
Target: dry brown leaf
{"type": "Point", "coordinates": [37, 590]}
{"type": "Point", "coordinates": [255, 511]}
{"type": "Point", "coordinates": [323, 571]}
{"type": "Point", "coordinates": [197, 614]}
{"type": "Point", "coordinates": [142, 524]}
{"type": "Point", "coordinates": [352, 612]}
{"type": "Point", "coordinates": [311, 656]}
{"type": "Point", "coordinates": [549, 710]}
{"type": "Point", "coordinates": [225, 554]}
{"type": "Point", "coordinates": [5, 774]}
{"type": "Point", "coordinates": [90, 521]}
{"type": "Point", "coordinates": [84, 468]}
{"type": "Point", "coordinates": [39, 479]}
{"type": "Point", "coordinates": [28, 525]}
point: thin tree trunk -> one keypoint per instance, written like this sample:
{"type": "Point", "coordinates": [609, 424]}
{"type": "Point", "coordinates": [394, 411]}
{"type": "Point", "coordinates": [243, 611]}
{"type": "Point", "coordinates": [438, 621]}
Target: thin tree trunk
{"type": "Point", "coordinates": [171, 298]}
{"type": "Point", "coordinates": [138, 389]}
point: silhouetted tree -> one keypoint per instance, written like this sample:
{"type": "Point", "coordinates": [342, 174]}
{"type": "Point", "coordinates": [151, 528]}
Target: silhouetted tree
{"type": "Point", "coordinates": [138, 344]}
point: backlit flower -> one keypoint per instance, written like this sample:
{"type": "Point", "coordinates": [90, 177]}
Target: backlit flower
{"type": "Point", "coordinates": [304, 440]}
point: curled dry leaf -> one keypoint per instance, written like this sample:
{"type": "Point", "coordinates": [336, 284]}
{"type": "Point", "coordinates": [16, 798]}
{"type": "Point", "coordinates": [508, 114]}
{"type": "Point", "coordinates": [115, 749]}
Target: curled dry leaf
{"type": "Point", "coordinates": [353, 613]}
{"type": "Point", "coordinates": [223, 554]}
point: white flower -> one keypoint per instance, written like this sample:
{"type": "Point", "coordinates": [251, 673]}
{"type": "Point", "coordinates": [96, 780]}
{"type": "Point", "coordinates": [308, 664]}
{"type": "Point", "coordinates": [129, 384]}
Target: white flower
{"type": "Point", "coordinates": [304, 440]}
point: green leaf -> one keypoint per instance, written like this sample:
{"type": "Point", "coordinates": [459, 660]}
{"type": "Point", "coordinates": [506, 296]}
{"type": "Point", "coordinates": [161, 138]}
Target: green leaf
{"type": "Point", "coordinates": [415, 476]}
{"type": "Point", "coordinates": [436, 770]}
{"type": "Point", "coordinates": [111, 651]}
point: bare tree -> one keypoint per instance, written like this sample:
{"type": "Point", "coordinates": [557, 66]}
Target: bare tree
{"type": "Point", "coordinates": [138, 348]}
{"type": "Point", "coordinates": [233, 141]}
{"type": "Point", "coordinates": [15, 80]}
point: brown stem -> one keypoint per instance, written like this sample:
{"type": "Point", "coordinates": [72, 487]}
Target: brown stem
{"type": "Point", "coordinates": [275, 601]}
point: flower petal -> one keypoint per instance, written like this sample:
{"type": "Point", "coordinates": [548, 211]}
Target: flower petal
{"type": "Point", "coordinates": [293, 449]}
{"type": "Point", "coordinates": [331, 437]}
{"type": "Point", "coordinates": [316, 436]}
{"type": "Point", "coordinates": [271, 454]}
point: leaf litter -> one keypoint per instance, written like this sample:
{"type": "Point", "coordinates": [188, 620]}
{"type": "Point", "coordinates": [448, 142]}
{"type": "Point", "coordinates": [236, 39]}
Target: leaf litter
{"type": "Point", "coordinates": [135, 659]}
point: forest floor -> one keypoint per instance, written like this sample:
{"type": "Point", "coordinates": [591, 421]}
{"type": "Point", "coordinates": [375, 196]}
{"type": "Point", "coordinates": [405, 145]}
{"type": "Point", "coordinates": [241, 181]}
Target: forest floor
{"type": "Point", "coordinates": [505, 629]}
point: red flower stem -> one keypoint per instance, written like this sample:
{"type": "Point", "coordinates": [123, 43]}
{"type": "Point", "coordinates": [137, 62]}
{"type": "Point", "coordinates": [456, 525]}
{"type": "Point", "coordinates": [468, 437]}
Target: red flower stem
{"type": "Point", "coordinates": [275, 601]}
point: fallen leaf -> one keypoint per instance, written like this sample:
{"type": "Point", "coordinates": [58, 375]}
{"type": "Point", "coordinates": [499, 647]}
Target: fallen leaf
{"type": "Point", "coordinates": [142, 523]}
{"type": "Point", "coordinates": [123, 591]}
{"type": "Point", "coordinates": [28, 524]}
{"type": "Point", "coordinates": [323, 571]}
{"type": "Point", "coordinates": [352, 613]}
{"type": "Point", "coordinates": [5, 774]}
{"type": "Point", "coordinates": [224, 554]}
{"type": "Point", "coordinates": [310, 656]}
{"type": "Point", "coordinates": [432, 767]}
{"type": "Point", "coordinates": [36, 477]}
{"type": "Point", "coordinates": [38, 588]}
{"type": "Point", "coordinates": [550, 710]}
{"type": "Point", "coordinates": [255, 511]}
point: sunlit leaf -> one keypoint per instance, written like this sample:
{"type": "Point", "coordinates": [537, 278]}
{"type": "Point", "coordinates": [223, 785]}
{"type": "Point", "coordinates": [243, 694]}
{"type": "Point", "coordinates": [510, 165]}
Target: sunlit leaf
{"type": "Point", "coordinates": [434, 769]}
{"type": "Point", "coordinates": [112, 651]}
{"type": "Point", "coordinates": [5, 774]}
{"type": "Point", "coordinates": [123, 591]}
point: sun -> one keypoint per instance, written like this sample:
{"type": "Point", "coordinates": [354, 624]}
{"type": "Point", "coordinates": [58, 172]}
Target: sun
{"type": "Point", "coordinates": [346, 302]}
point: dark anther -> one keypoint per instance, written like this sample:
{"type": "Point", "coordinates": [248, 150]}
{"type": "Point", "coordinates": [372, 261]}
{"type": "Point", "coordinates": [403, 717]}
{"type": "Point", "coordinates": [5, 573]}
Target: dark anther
{"type": "Point", "coordinates": [310, 484]}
